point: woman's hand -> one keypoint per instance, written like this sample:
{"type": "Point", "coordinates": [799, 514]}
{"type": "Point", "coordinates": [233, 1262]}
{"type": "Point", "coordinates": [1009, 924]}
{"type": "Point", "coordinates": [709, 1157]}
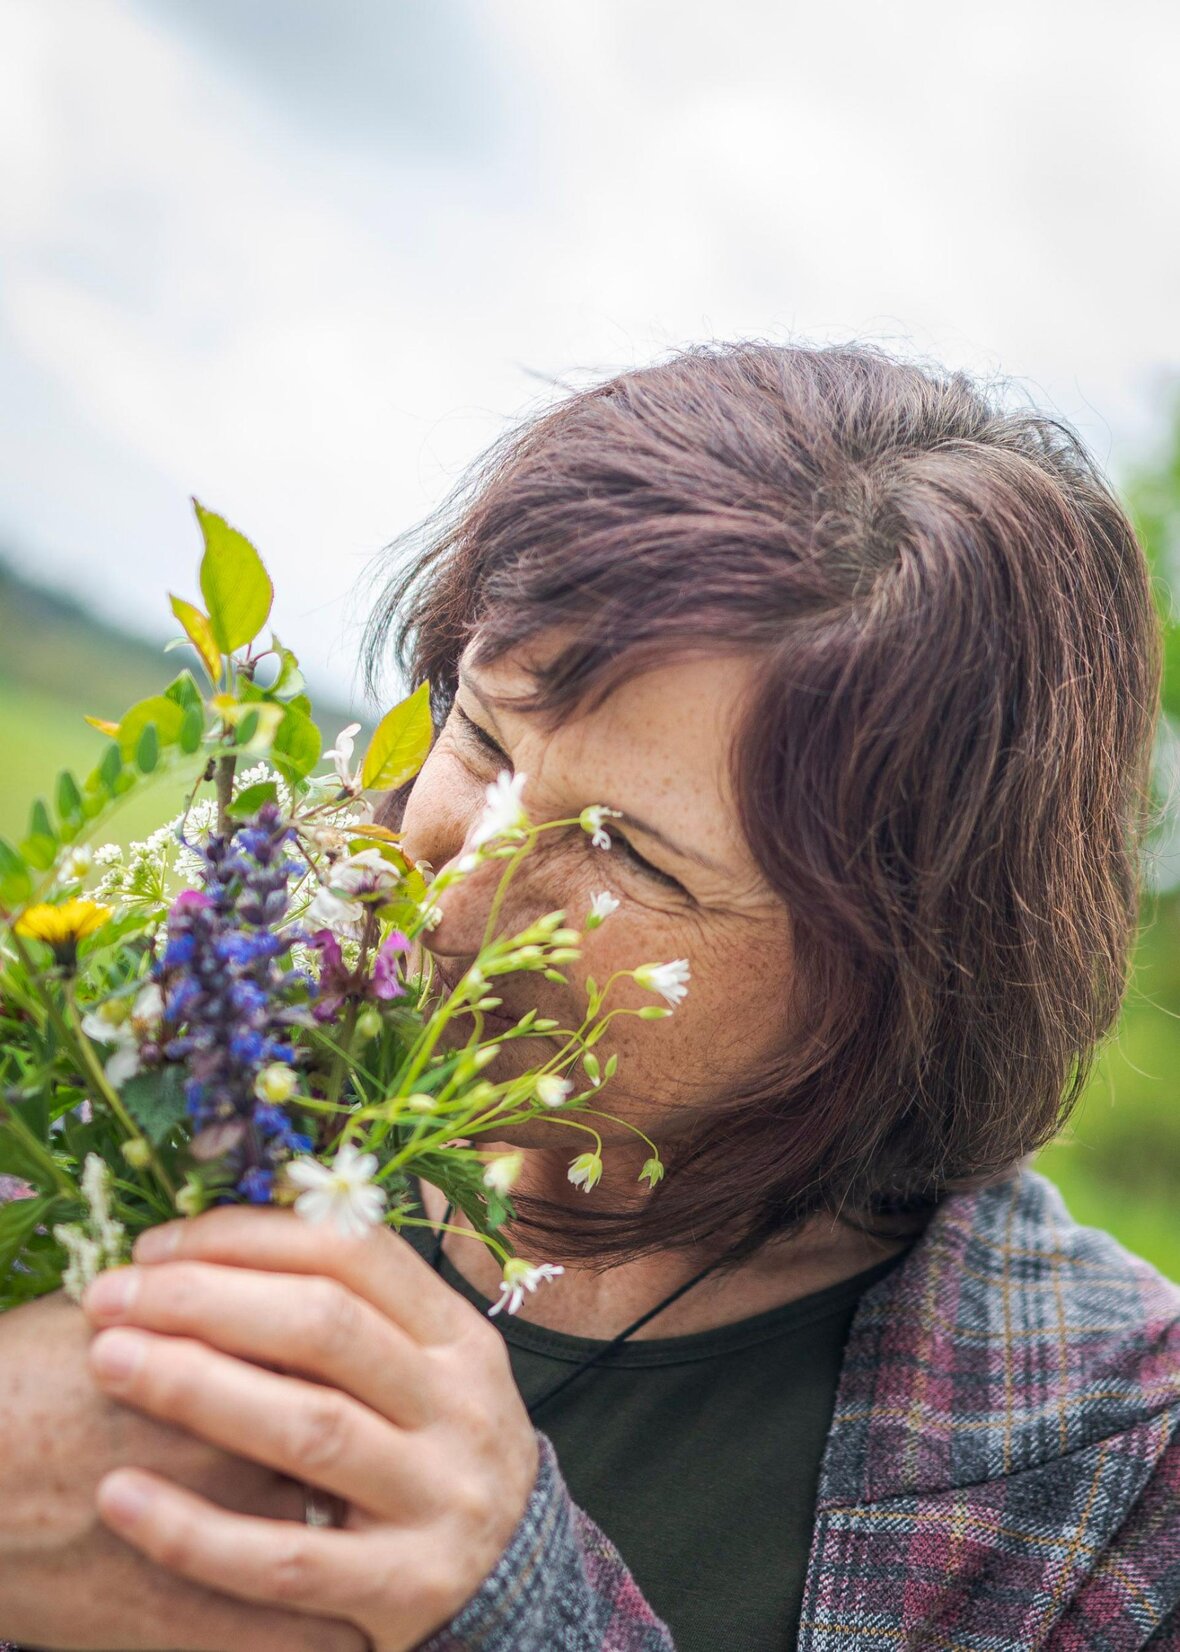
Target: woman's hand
{"type": "Point", "coordinates": [65, 1579]}
{"type": "Point", "coordinates": [344, 1362]}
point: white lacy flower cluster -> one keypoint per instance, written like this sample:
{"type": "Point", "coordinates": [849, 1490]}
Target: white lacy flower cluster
{"type": "Point", "coordinates": [151, 872]}
{"type": "Point", "coordinates": [97, 1243]}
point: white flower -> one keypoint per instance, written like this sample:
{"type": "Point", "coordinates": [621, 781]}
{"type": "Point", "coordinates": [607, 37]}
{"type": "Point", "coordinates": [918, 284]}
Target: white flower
{"type": "Point", "coordinates": [341, 755]}
{"type": "Point", "coordinates": [601, 905]}
{"type": "Point", "coordinates": [503, 811]}
{"type": "Point", "coordinates": [551, 1090]}
{"type": "Point", "coordinates": [500, 1173]}
{"type": "Point", "coordinates": [670, 980]}
{"type": "Point", "coordinates": [76, 864]}
{"type": "Point", "coordinates": [111, 1023]}
{"type": "Point", "coordinates": [342, 1192]}
{"type": "Point", "coordinates": [591, 820]}
{"type": "Point", "coordinates": [339, 903]}
{"type": "Point", "coordinates": [521, 1276]}
{"type": "Point", "coordinates": [585, 1170]}
{"type": "Point", "coordinates": [276, 1083]}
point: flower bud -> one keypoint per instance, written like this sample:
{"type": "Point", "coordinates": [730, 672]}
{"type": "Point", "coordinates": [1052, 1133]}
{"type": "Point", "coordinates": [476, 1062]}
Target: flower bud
{"type": "Point", "coordinates": [137, 1152]}
{"type": "Point", "coordinates": [368, 1022]}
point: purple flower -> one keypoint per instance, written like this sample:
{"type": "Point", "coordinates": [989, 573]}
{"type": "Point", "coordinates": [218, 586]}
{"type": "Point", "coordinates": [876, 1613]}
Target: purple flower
{"type": "Point", "coordinates": [338, 982]}
{"type": "Point", "coordinates": [230, 1002]}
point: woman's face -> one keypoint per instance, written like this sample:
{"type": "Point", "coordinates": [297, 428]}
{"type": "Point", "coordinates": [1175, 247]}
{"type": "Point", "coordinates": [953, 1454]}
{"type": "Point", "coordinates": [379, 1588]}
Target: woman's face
{"type": "Point", "coordinates": [686, 883]}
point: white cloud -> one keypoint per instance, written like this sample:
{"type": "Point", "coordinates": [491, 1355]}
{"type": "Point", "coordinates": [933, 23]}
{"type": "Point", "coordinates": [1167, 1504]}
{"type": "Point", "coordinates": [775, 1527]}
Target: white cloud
{"type": "Point", "coordinates": [199, 296]}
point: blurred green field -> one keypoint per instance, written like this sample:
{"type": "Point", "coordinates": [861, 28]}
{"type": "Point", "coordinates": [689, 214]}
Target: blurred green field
{"type": "Point", "coordinates": [1117, 1162]}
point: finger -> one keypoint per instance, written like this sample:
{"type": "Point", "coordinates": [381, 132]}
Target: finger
{"type": "Point", "coordinates": [300, 1428]}
{"type": "Point", "coordinates": [379, 1266]}
{"type": "Point", "coordinates": [270, 1562]}
{"type": "Point", "coordinates": [315, 1326]}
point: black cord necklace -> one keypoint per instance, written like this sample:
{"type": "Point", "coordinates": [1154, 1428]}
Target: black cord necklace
{"type": "Point", "coordinates": [607, 1347]}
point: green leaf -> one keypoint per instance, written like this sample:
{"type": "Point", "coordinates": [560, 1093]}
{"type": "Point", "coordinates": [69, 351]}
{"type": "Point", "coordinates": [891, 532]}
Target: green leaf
{"type": "Point", "coordinates": [252, 799]}
{"type": "Point", "coordinates": [399, 746]}
{"type": "Point", "coordinates": [16, 885]}
{"type": "Point", "coordinates": [167, 716]}
{"type": "Point", "coordinates": [155, 1101]}
{"type": "Point", "coordinates": [147, 750]}
{"type": "Point", "coordinates": [192, 730]}
{"type": "Point", "coordinates": [297, 745]}
{"type": "Point", "coordinates": [108, 770]}
{"type": "Point", "coordinates": [18, 1219]}
{"type": "Point", "coordinates": [39, 820]}
{"type": "Point", "coordinates": [246, 729]}
{"type": "Point", "coordinates": [69, 798]}
{"type": "Point", "coordinates": [289, 681]}
{"type": "Point", "coordinates": [183, 691]}
{"type": "Point", "coordinates": [235, 584]}
{"type": "Point", "coordinates": [199, 632]}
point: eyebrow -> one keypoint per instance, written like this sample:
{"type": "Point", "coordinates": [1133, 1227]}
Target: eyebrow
{"type": "Point", "coordinates": [627, 819]}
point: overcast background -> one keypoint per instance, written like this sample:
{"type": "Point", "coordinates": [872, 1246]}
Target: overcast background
{"type": "Point", "coordinates": [306, 258]}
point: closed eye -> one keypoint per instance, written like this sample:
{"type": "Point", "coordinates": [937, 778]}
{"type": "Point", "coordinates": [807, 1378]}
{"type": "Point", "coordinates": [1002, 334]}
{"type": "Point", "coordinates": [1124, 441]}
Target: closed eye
{"type": "Point", "coordinates": [483, 739]}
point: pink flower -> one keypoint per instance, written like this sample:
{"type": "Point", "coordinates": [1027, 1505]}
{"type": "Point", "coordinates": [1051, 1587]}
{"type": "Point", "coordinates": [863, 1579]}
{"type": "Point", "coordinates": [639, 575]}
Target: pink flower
{"type": "Point", "coordinates": [338, 982]}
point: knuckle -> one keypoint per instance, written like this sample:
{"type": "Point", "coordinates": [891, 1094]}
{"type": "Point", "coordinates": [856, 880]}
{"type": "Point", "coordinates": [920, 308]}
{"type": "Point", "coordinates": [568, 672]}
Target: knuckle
{"type": "Point", "coordinates": [292, 1571]}
{"type": "Point", "coordinates": [319, 1432]}
{"type": "Point", "coordinates": [333, 1318]}
{"type": "Point", "coordinates": [170, 1375]}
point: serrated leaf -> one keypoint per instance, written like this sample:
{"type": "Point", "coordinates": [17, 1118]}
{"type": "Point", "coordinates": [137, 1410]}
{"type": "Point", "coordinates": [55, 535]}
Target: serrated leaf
{"type": "Point", "coordinates": [251, 800]}
{"type": "Point", "coordinates": [297, 745]}
{"type": "Point", "coordinates": [199, 632]}
{"type": "Point", "coordinates": [234, 583]}
{"type": "Point", "coordinates": [103, 725]}
{"type": "Point", "coordinates": [155, 1101]}
{"type": "Point", "coordinates": [400, 743]}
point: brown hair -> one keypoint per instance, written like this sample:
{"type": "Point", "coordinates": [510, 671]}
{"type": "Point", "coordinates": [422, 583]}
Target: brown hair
{"type": "Point", "coordinates": [944, 772]}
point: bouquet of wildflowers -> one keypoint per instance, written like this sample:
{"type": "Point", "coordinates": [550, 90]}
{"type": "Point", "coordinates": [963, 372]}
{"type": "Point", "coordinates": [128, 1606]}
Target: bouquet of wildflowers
{"type": "Point", "coordinates": [236, 1010]}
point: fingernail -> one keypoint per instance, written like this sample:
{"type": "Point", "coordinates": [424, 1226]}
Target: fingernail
{"type": "Point", "coordinates": [112, 1293]}
{"type": "Point", "coordinates": [118, 1355]}
{"type": "Point", "coordinates": [157, 1244]}
{"type": "Point", "coordinates": [124, 1497]}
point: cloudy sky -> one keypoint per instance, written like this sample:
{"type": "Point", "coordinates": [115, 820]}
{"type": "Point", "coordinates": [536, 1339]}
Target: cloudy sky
{"type": "Point", "coordinates": [306, 258]}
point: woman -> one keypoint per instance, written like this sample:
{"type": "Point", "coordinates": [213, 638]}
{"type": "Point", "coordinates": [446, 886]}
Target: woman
{"type": "Point", "coordinates": [869, 669]}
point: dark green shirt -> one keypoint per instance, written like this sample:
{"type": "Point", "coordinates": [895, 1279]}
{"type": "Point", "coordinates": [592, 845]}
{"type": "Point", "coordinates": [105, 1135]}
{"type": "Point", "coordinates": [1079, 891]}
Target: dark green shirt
{"type": "Point", "coordinates": [698, 1455]}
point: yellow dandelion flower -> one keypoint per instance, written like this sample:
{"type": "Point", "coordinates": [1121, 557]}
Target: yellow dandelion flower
{"type": "Point", "coordinates": [62, 926]}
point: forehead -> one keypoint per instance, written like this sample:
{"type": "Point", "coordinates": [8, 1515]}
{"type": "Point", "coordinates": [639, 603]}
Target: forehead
{"type": "Point", "coordinates": [659, 746]}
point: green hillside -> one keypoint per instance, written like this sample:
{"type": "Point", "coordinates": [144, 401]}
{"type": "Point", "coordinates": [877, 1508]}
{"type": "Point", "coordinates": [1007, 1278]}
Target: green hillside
{"type": "Point", "coordinates": [59, 663]}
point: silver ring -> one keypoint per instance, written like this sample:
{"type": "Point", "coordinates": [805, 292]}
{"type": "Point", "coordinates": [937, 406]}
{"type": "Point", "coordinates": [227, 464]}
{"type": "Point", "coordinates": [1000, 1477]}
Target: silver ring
{"type": "Point", "coordinates": [322, 1508]}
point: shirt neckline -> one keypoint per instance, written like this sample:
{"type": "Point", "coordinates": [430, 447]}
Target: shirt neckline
{"type": "Point", "coordinates": [804, 1311]}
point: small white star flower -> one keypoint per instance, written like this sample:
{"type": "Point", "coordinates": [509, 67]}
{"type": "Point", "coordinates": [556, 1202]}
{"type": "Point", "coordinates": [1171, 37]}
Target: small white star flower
{"type": "Point", "coordinates": [670, 980]}
{"type": "Point", "coordinates": [601, 906]}
{"type": "Point", "coordinates": [341, 755]}
{"type": "Point", "coordinates": [342, 1192]}
{"type": "Point", "coordinates": [521, 1276]}
{"type": "Point", "coordinates": [585, 1170]}
{"type": "Point", "coordinates": [500, 1173]}
{"type": "Point", "coordinates": [503, 811]}
{"type": "Point", "coordinates": [591, 820]}
{"type": "Point", "coordinates": [552, 1090]}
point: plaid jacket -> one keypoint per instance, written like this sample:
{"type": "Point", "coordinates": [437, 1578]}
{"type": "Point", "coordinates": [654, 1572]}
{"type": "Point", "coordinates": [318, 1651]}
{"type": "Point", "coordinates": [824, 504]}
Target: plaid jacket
{"type": "Point", "coordinates": [1002, 1469]}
